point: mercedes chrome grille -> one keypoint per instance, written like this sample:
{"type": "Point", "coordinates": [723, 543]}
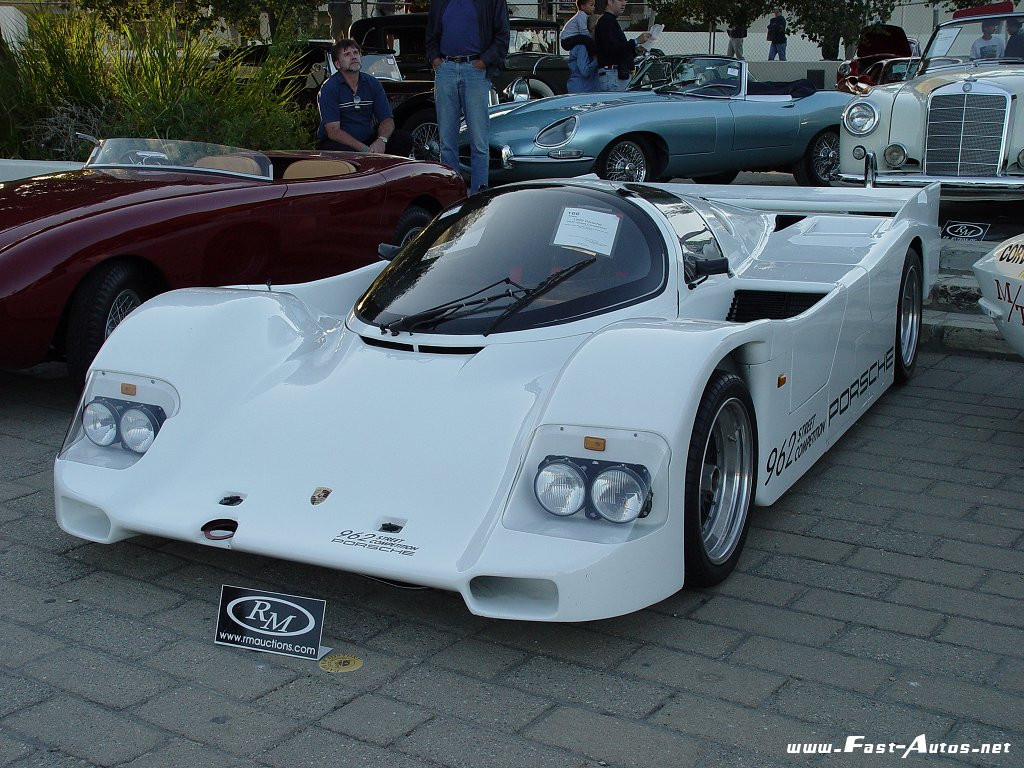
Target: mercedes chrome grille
{"type": "Point", "coordinates": [965, 134]}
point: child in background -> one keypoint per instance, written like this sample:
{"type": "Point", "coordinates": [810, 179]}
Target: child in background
{"type": "Point", "coordinates": [583, 64]}
{"type": "Point", "coordinates": [575, 31]}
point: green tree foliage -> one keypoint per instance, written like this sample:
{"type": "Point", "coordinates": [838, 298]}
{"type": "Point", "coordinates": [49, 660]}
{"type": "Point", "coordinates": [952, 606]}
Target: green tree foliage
{"type": "Point", "coordinates": [76, 72]}
{"type": "Point", "coordinates": [677, 14]}
{"type": "Point", "coordinates": [241, 15]}
{"type": "Point", "coordinates": [825, 21]}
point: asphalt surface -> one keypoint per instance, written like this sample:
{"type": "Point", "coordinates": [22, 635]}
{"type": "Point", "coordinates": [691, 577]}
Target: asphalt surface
{"type": "Point", "coordinates": [882, 597]}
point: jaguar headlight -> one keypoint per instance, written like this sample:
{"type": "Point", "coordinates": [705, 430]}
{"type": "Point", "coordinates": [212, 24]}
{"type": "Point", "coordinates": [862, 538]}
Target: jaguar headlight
{"type": "Point", "coordinates": [557, 133]}
{"type": "Point", "coordinates": [560, 488]}
{"type": "Point", "coordinates": [844, 69]}
{"type": "Point", "coordinates": [99, 421]}
{"type": "Point", "coordinates": [619, 494]}
{"type": "Point", "coordinates": [860, 118]}
{"type": "Point", "coordinates": [139, 426]}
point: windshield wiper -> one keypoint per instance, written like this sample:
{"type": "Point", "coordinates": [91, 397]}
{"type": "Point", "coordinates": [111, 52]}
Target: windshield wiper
{"type": "Point", "coordinates": [445, 310]}
{"type": "Point", "coordinates": [540, 289]}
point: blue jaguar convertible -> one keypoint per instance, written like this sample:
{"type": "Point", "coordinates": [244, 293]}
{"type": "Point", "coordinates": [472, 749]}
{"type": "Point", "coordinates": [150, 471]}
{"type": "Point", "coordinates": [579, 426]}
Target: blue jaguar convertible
{"type": "Point", "coordinates": [698, 117]}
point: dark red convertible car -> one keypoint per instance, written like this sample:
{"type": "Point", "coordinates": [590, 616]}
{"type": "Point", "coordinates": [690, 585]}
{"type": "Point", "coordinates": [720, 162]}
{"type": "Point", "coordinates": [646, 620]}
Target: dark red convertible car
{"type": "Point", "coordinates": [79, 250]}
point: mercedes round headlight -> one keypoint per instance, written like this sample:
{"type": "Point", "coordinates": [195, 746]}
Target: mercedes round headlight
{"type": "Point", "coordinates": [619, 494]}
{"type": "Point", "coordinates": [895, 155]}
{"type": "Point", "coordinates": [558, 133]}
{"type": "Point", "coordinates": [860, 118]}
{"type": "Point", "coordinates": [99, 420]}
{"type": "Point", "coordinates": [560, 488]}
{"type": "Point", "coordinates": [138, 429]}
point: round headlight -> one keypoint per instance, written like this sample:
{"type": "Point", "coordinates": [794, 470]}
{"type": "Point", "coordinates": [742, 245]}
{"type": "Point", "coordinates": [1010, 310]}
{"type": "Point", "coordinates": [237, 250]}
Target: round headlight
{"type": "Point", "coordinates": [560, 488]}
{"type": "Point", "coordinates": [1020, 158]}
{"type": "Point", "coordinates": [556, 134]}
{"type": "Point", "coordinates": [860, 118]}
{"type": "Point", "coordinates": [619, 494]}
{"type": "Point", "coordinates": [895, 155]}
{"type": "Point", "coordinates": [844, 69]}
{"type": "Point", "coordinates": [138, 429]}
{"type": "Point", "coordinates": [100, 422]}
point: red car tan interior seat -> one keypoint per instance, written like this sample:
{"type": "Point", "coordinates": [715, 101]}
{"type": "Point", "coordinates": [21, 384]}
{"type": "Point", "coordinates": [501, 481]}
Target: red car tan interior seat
{"type": "Point", "coordinates": [233, 163]}
{"type": "Point", "coordinates": [317, 169]}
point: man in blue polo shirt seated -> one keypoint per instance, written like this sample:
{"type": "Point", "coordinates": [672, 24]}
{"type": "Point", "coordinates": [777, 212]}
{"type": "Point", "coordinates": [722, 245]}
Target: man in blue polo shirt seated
{"type": "Point", "coordinates": [355, 114]}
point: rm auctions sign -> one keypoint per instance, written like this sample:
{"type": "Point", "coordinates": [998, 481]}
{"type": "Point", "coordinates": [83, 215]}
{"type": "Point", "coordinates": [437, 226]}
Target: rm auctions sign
{"type": "Point", "coordinates": [269, 621]}
{"type": "Point", "coordinates": [964, 230]}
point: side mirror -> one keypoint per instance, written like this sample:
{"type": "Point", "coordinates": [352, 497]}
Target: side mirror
{"type": "Point", "coordinates": [387, 251]}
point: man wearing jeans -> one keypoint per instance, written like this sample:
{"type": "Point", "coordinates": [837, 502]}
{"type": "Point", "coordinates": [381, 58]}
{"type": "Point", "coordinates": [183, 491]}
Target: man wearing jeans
{"type": "Point", "coordinates": [467, 42]}
{"type": "Point", "coordinates": [615, 53]}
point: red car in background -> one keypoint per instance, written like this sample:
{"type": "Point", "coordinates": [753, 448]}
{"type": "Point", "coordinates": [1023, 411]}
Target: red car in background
{"type": "Point", "coordinates": [884, 55]}
{"type": "Point", "coordinates": [80, 250]}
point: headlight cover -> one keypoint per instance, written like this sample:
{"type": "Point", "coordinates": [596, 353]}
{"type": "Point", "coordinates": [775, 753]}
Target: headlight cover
{"type": "Point", "coordinates": [118, 419]}
{"type": "Point", "coordinates": [860, 118]}
{"type": "Point", "coordinates": [558, 133]}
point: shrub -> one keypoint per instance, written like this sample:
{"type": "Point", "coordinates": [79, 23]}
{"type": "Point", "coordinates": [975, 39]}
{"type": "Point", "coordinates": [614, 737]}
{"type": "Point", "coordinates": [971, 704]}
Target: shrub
{"type": "Point", "coordinates": [76, 73]}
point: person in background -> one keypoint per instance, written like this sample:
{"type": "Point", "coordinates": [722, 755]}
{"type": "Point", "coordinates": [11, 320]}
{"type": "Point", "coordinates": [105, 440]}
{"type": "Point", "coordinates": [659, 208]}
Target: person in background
{"type": "Point", "coordinates": [577, 29]}
{"type": "Point", "coordinates": [736, 35]}
{"type": "Point", "coordinates": [777, 36]}
{"type": "Point", "coordinates": [467, 43]}
{"type": "Point", "coordinates": [583, 64]}
{"type": "Point", "coordinates": [1014, 39]}
{"type": "Point", "coordinates": [988, 46]}
{"type": "Point", "coordinates": [355, 114]}
{"type": "Point", "coordinates": [615, 53]}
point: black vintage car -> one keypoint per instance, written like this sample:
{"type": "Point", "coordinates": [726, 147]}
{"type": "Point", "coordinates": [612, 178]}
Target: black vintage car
{"type": "Point", "coordinates": [534, 53]}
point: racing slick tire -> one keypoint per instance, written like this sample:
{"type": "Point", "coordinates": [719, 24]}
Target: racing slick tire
{"type": "Point", "coordinates": [721, 472]}
{"type": "Point", "coordinates": [819, 166]}
{"type": "Point", "coordinates": [103, 299]}
{"type": "Point", "coordinates": [908, 316]}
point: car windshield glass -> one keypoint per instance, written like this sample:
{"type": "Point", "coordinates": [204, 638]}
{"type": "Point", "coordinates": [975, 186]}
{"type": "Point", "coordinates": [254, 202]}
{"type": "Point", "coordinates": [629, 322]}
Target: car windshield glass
{"type": "Point", "coordinates": [588, 251]}
{"type": "Point", "coordinates": [703, 76]}
{"type": "Point", "coordinates": [976, 39]}
{"type": "Point", "coordinates": [383, 66]}
{"type": "Point", "coordinates": [171, 154]}
{"type": "Point", "coordinates": [533, 40]}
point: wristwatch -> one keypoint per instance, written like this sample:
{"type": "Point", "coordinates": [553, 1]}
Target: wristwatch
{"type": "Point", "coordinates": [383, 139]}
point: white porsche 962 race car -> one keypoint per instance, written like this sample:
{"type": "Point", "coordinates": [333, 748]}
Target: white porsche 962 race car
{"type": "Point", "coordinates": [1000, 274]}
{"type": "Point", "coordinates": [560, 400]}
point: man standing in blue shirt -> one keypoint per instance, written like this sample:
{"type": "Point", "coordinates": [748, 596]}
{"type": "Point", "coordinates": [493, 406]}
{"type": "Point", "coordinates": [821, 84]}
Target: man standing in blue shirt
{"type": "Point", "coordinates": [355, 114]}
{"type": "Point", "coordinates": [467, 42]}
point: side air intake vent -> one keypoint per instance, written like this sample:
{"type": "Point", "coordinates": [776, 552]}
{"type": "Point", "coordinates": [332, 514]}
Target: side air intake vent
{"type": "Point", "coordinates": [748, 306]}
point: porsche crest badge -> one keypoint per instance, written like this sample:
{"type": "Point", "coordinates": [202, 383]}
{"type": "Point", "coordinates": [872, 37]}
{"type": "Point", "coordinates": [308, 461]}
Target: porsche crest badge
{"type": "Point", "coordinates": [319, 495]}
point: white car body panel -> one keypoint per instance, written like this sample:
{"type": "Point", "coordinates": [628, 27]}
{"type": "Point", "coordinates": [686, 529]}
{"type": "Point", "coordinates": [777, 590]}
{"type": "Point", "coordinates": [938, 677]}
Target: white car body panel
{"type": "Point", "coordinates": [273, 394]}
{"type": "Point", "coordinates": [1001, 276]}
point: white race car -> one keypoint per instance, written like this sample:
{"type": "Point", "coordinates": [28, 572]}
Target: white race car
{"type": "Point", "coordinates": [560, 400]}
{"type": "Point", "coordinates": [1001, 277]}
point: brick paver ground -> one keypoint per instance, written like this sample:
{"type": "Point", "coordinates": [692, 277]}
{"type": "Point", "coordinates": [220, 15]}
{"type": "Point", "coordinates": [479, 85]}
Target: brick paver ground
{"type": "Point", "coordinates": [882, 597]}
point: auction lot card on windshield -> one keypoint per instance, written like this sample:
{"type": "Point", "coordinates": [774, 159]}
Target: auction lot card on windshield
{"type": "Point", "coordinates": [585, 230]}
